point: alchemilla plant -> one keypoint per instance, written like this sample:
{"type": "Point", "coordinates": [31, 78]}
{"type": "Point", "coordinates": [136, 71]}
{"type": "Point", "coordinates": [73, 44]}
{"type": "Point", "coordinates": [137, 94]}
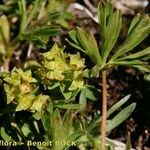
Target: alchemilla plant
{"type": "Point", "coordinates": [45, 100]}
{"type": "Point", "coordinates": [57, 69]}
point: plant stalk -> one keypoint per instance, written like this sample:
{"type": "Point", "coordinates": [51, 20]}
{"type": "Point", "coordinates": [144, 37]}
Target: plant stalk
{"type": "Point", "coordinates": [104, 110]}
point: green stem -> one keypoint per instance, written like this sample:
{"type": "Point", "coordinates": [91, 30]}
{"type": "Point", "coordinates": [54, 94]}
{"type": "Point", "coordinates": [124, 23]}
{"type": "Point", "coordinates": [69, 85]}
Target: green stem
{"type": "Point", "coordinates": [104, 110]}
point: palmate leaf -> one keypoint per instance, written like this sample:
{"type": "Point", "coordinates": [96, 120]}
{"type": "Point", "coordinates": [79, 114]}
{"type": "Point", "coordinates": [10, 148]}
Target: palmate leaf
{"type": "Point", "coordinates": [138, 31]}
{"type": "Point", "coordinates": [136, 60]}
{"type": "Point", "coordinates": [59, 128]}
{"type": "Point", "coordinates": [110, 25]}
{"type": "Point", "coordinates": [85, 42]}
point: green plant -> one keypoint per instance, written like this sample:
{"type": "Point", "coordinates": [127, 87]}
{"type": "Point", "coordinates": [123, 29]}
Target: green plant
{"type": "Point", "coordinates": [57, 114]}
{"type": "Point", "coordinates": [48, 91]}
{"type": "Point", "coordinates": [58, 73]}
{"type": "Point", "coordinates": [45, 99]}
{"type": "Point", "coordinates": [108, 56]}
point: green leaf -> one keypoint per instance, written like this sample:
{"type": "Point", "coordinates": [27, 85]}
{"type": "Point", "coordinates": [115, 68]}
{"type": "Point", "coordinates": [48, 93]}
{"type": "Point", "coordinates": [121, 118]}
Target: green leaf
{"type": "Point", "coordinates": [57, 124]}
{"type": "Point", "coordinates": [120, 117]}
{"type": "Point", "coordinates": [136, 36]}
{"type": "Point", "coordinates": [139, 54]}
{"type": "Point", "coordinates": [95, 71]}
{"type": "Point", "coordinates": [40, 41]}
{"type": "Point", "coordinates": [133, 24]}
{"type": "Point", "coordinates": [47, 30]}
{"type": "Point", "coordinates": [23, 15]}
{"type": "Point", "coordinates": [44, 30]}
{"type": "Point", "coordinates": [73, 139]}
{"type": "Point", "coordinates": [102, 17]}
{"type": "Point", "coordinates": [117, 105]}
{"type": "Point", "coordinates": [40, 34]}
{"type": "Point", "coordinates": [110, 111]}
{"type": "Point", "coordinates": [73, 36]}
{"type": "Point", "coordinates": [91, 92]}
{"type": "Point", "coordinates": [64, 90]}
{"type": "Point", "coordinates": [143, 66]}
{"type": "Point", "coordinates": [75, 46]}
{"type": "Point", "coordinates": [94, 124]}
{"type": "Point", "coordinates": [128, 62]}
{"type": "Point", "coordinates": [91, 50]}
{"type": "Point", "coordinates": [82, 41]}
{"type": "Point", "coordinates": [110, 25]}
{"type": "Point", "coordinates": [65, 18]}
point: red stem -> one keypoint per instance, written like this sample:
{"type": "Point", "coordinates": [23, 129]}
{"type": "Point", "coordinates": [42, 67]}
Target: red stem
{"type": "Point", "coordinates": [104, 110]}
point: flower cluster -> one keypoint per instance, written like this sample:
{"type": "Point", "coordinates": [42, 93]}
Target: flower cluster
{"type": "Point", "coordinates": [60, 66]}
{"type": "Point", "coordinates": [57, 69]}
{"type": "Point", "coordinates": [21, 88]}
